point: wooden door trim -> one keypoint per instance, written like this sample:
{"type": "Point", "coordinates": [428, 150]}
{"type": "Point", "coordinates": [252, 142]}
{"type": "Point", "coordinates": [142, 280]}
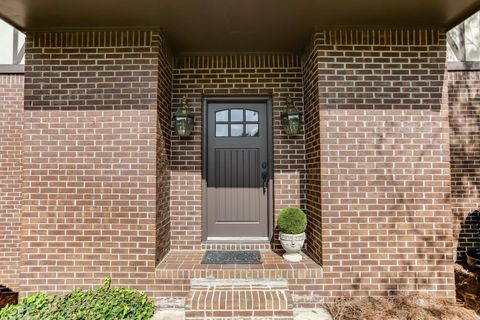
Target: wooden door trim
{"type": "Point", "coordinates": [235, 99]}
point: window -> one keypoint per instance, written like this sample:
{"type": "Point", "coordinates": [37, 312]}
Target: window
{"type": "Point", "coordinates": [463, 50]}
{"type": "Point", "coordinates": [12, 49]}
{"type": "Point", "coordinates": [12, 41]}
{"type": "Point", "coordinates": [236, 123]}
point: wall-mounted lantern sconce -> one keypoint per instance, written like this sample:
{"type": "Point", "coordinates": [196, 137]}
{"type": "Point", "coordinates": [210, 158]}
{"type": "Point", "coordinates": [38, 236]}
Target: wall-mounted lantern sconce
{"type": "Point", "coordinates": [183, 120]}
{"type": "Point", "coordinates": [291, 118]}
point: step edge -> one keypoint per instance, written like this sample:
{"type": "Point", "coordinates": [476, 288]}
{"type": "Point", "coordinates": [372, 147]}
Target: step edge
{"type": "Point", "coordinates": [272, 283]}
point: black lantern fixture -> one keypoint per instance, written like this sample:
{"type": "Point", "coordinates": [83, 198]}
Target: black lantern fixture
{"type": "Point", "coordinates": [183, 120]}
{"type": "Point", "coordinates": [291, 118]}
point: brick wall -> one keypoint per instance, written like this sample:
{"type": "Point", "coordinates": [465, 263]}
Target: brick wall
{"type": "Point", "coordinates": [90, 151]}
{"type": "Point", "coordinates": [384, 161]}
{"type": "Point", "coordinates": [312, 152]}
{"type": "Point", "coordinates": [106, 190]}
{"type": "Point", "coordinates": [163, 149]}
{"type": "Point", "coordinates": [255, 75]}
{"type": "Point", "coordinates": [11, 106]}
{"type": "Point", "coordinates": [464, 102]}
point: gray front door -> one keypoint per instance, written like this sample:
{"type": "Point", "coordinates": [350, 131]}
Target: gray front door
{"type": "Point", "coordinates": [237, 171]}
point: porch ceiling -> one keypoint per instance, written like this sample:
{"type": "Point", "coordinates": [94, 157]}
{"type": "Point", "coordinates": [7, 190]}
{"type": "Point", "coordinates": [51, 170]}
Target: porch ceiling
{"type": "Point", "coordinates": [234, 25]}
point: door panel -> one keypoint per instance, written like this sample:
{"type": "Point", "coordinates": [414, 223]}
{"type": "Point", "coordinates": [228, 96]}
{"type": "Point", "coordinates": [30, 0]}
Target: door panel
{"type": "Point", "coordinates": [237, 158]}
{"type": "Point", "coordinates": [236, 185]}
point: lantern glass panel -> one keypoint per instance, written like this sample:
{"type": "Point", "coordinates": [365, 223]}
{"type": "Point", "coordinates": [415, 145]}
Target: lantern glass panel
{"type": "Point", "coordinates": [183, 125]}
{"type": "Point", "coordinates": [291, 124]}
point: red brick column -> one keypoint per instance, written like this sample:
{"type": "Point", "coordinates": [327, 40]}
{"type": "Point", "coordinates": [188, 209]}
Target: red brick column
{"type": "Point", "coordinates": [11, 107]}
{"type": "Point", "coordinates": [464, 102]}
{"type": "Point", "coordinates": [312, 151]}
{"type": "Point", "coordinates": [91, 142]}
{"type": "Point", "coordinates": [378, 161]}
{"type": "Point", "coordinates": [164, 131]}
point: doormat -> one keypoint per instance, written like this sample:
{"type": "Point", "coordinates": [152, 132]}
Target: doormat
{"type": "Point", "coordinates": [232, 257]}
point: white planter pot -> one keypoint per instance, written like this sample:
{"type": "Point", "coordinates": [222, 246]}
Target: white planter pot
{"type": "Point", "coordinates": [292, 244]}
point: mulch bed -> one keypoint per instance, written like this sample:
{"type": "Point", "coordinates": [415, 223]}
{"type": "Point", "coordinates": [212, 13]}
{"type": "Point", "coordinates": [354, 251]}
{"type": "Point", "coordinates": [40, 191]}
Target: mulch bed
{"type": "Point", "coordinates": [415, 306]}
{"type": "Point", "coordinates": [401, 307]}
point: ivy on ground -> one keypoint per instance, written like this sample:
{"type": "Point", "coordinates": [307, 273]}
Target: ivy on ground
{"type": "Point", "coordinates": [104, 303]}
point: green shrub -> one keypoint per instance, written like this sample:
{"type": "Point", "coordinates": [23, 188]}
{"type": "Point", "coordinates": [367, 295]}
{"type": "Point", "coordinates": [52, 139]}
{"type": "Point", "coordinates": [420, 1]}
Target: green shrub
{"type": "Point", "coordinates": [104, 303]}
{"type": "Point", "coordinates": [292, 221]}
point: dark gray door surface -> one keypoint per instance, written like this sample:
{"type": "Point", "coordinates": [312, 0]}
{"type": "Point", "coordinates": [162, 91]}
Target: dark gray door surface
{"type": "Point", "coordinates": [237, 171]}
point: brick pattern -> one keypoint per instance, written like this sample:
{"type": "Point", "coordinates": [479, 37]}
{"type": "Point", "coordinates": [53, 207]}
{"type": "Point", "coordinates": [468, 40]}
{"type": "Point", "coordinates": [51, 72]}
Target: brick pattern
{"type": "Point", "coordinates": [90, 169]}
{"type": "Point", "coordinates": [174, 274]}
{"type": "Point", "coordinates": [382, 37]}
{"type": "Point", "coordinates": [384, 163]}
{"type": "Point", "coordinates": [163, 149]}
{"type": "Point", "coordinates": [236, 246]}
{"type": "Point", "coordinates": [183, 260]}
{"type": "Point", "coordinates": [89, 198]}
{"type": "Point", "coordinates": [93, 39]}
{"type": "Point", "coordinates": [64, 75]}
{"type": "Point", "coordinates": [265, 75]}
{"type": "Point", "coordinates": [11, 106]}
{"type": "Point", "coordinates": [312, 152]}
{"type": "Point", "coordinates": [239, 302]}
{"type": "Point", "coordinates": [464, 102]}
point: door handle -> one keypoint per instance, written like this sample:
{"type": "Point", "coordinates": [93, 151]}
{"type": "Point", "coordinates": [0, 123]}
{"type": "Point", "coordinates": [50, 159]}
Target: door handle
{"type": "Point", "coordinates": [265, 182]}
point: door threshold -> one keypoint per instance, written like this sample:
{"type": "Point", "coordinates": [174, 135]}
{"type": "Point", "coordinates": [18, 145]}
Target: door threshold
{"type": "Point", "coordinates": [237, 239]}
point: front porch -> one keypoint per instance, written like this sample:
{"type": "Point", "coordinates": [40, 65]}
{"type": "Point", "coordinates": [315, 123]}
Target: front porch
{"type": "Point", "coordinates": [273, 266]}
{"type": "Point", "coordinates": [272, 288]}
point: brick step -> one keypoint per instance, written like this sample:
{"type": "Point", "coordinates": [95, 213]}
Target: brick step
{"type": "Point", "coordinates": [239, 299]}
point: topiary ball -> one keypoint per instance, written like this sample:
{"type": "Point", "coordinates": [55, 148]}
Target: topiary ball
{"type": "Point", "coordinates": [292, 221]}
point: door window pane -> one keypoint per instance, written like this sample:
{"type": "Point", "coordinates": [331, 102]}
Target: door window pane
{"type": "Point", "coordinates": [251, 115]}
{"type": "Point", "coordinates": [251, 130]}
{"type": "Point", "coordinates": [236, 115]}
{"type": "Point", "coordinates": [221, 115]}
{"type": "Point", "coordinates": [221, 130]}
{"type": "Point", "coordinates": [236, 130]}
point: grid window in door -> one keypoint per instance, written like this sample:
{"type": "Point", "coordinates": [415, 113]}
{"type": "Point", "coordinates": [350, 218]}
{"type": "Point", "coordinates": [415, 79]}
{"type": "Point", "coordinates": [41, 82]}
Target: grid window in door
{"type": "Point", "coordinates": [236, 123]}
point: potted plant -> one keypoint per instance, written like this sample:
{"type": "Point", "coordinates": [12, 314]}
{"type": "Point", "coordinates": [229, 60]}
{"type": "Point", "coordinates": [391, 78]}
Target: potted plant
{"type": "Point", "coordinates": [292, 223]}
